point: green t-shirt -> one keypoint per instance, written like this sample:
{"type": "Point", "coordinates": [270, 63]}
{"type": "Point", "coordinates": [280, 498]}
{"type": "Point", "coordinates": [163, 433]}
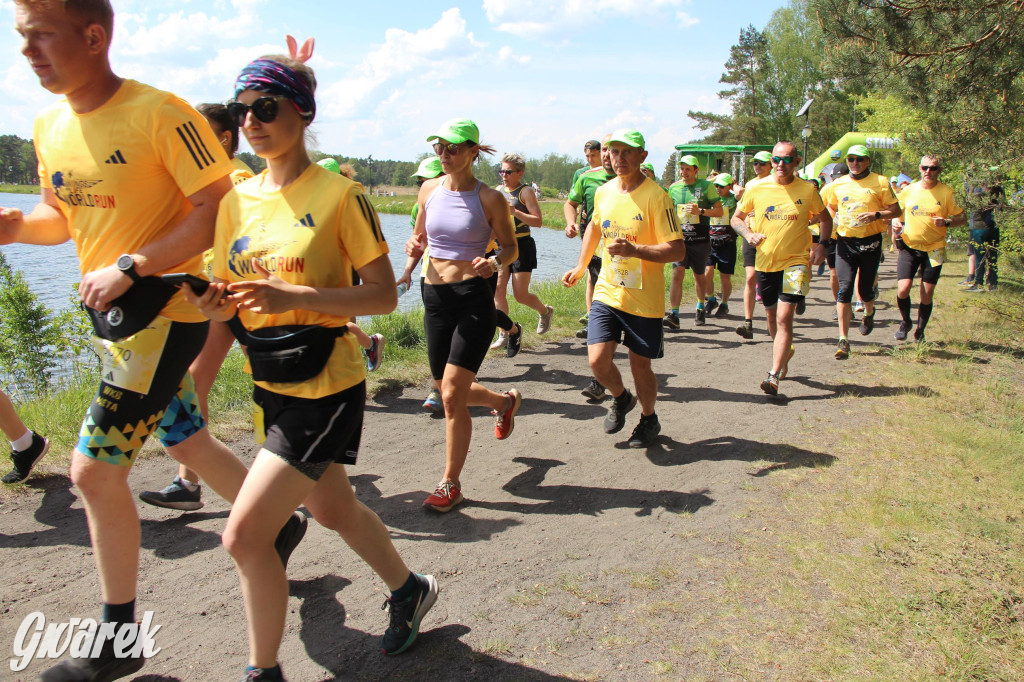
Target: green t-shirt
{"type": "Point", "coordinates": [583, 190]}
{"type": "Point", "coordinates": [576, 175]}
{"type": "Point", "coordinates": [696, 228]}
{"type": "Point", "coordinates": [721, 228]}
{"type": "Point", "coordinates": [413, 214]}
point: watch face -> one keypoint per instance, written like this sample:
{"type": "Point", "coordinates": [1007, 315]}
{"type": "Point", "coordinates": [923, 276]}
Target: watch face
{"type": "Point", "coordinates": [125, 262]}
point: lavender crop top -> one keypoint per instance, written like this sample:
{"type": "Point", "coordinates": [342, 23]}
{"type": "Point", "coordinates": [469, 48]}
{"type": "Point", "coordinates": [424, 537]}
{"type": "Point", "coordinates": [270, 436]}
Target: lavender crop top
{"type": "Point", "coordinates": [457, 228]}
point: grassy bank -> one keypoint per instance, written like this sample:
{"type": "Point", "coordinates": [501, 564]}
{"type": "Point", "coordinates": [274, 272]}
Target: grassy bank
{"type": "Point", "coordinates": [19, 189]}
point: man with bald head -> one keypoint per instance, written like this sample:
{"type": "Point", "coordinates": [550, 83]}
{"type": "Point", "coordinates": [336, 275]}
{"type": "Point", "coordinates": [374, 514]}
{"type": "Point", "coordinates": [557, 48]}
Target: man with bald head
{"type": "Point", "coordinates": [780, 208]}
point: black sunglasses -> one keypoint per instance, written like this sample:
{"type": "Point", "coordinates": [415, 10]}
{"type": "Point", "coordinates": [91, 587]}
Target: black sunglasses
{"type": "Point", "coordinates": [855, 159]}
{"type": "Point", "coordinates": [506, 172]}
{"type": "Point", "coordinates": [264, 109]}
{"type": "Point", "coordinates": [760, 163]}
{"type": "Point", "coordinates": [931, 168]}
{"type": "Point", "coordinates": [782, 159]}
{"type": "Point", "coordinates": [452, 148]}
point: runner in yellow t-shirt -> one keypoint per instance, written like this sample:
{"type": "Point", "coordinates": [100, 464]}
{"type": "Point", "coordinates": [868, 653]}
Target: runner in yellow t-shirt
{"type": "Point", "coordinates": [762, 169]}
{"type": "Point", "coordinates": [134, 176]}
{"type": "Point", "coordinates": [929, 209]}
{"type": "Point", "coordinates": [287, 245]}
{"type": "Point", "coordinates": [641, 232]}
{"type": "Point", "coordinates": [863, 204]}
{"type": "Point", "coordinates": [781, 208]}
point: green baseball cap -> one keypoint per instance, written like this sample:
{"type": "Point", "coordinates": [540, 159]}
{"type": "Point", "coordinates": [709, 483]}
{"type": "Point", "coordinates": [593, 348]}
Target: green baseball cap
{"type": "Point", "coordinates": [689, 160]}
{"type": "Point", "coordinates": [457, 131]}
{"type": "Point", "coordinates": [430, 167]}
{"type": "Point", "coordinates": [859, 150]}
{"type": "Point", "coordinates": [628, 136]}
{"type": "Point", "coordinates": [648, 166]}
{"type": "Point", "coordinates": [330, 164]}
{"type": "Point", "coordinates": [723, 180]}
{"type": "Point", "coordinates": [765, 157]}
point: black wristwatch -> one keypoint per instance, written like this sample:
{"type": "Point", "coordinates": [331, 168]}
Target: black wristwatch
{"type": "Point", "coordinates": [947, 222]}
{"type": "Point", "coordinates": [824, 242]}
{"type": "Point", "coordinates": [126, 264]}
{"type": "Point", "coordinates": [701, 211]}
{"type": "Point", "coordinates": [878, 215]}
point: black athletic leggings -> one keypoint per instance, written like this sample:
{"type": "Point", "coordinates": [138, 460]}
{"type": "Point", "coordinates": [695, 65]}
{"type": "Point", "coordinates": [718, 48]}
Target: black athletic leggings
{"type": "Point", "coordinates": [853, 255]}
{"type": "Point", "coordinates": [459, 321]}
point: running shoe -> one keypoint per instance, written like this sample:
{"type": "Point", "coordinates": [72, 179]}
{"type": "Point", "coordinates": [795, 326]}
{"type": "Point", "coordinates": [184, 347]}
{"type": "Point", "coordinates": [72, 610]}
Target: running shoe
{"type": "Point", "coordinates": [375, 353]}
{"type": "Point", "coordinates": [842, 349]}
{"type": "Point", "coordinates": [262, 675]}
{"type": "Point", "coordinates": [901, 333]}
{"type": "Point", "coordinates": [771, 384]}
{"type": "Point", "coordinates": [500, 341]}
{"type": "Point", "coordinates": [671, 321]}
{"type": "Point", "coordinates": [544, 323]}
{"type": "Point", "coordinates": [616, 418]}
{"type": "Point", "coordinates": [515, 342]}
{"type": "Point", "coordinates": [785, 363]}
{"type": "Point", "coordinates": [801, 306]}
{"type": "Point", "coordinates": [645, 432]}
{"type": "Point", "coordinates": [699, 318]}
{"type": "Point", "coordinates": [175, 496]}
{"type": "Point", "coordinates": [835, 314]}
{"type": "Point", "coordinates": [584, 319]}
{"type": "Point", "coordinates": [858, 307]}
{"type": "Point", "coordinates": [595, 391]}
{"type": "Point", "coordinates": [722, 311]}
{"type": "Point", "coordinates": [974, 288]}
{"type": "Point", "coordinates": [966, 283]}
{"type": "Point", "coordinates": [745, 331]}
{"type": "Point", "coordinates": [445, 497]}
{"type": "Point", "coordinates": [105, 666]}
{"type": "Point", "coordinates": [290, 536]}
{"type": "Point", "coordinates": [710, 306]}
{"type": "Point", "coordinates": [406, 616]}
{"type": "Point", "coordinates": [433, 401]}
{"type": "Point", "coordinates": [25, 460]}
{"type": "Point", "coordinates": [582, 333]}
{"type": "Point", "coordinates": [919, 335]}
{"type": "Point", "coordinates": [506, 421]}
{"type": "Point", "coordinates": [867, 323]}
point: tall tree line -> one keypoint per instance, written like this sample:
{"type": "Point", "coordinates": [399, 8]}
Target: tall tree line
{"type": "Point", "coordinates": [17, 161]}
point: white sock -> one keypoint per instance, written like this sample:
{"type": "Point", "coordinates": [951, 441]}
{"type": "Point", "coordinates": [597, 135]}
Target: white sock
{"type": "Point", "coordinates": [22, 443]}
{"type": "Point", "coordinates": [188, 484]}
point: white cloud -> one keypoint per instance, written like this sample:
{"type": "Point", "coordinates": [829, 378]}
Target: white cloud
{"type": "Point", "coordinates": [685, 20]}
{"type": "Point", "coordinates": [506, 56]}
{"type": "Point", "coordinates": [437, 53]}
{"type": "Point", "coordinates": [544, 18]}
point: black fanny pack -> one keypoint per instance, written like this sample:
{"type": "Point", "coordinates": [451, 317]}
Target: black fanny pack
{"type": "Point", "coordinates": [288, 353]}
{"type": "Point", "coordinates": [132, 311]}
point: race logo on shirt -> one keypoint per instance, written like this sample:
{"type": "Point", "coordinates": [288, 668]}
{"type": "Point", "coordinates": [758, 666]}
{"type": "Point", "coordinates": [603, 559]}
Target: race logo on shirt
{"type": "Point", "coordinates": [75, 192]}
{"type": "Point", "coordinates": [242, 253]}
{"type": "Point", "coordinates": [771, 214]}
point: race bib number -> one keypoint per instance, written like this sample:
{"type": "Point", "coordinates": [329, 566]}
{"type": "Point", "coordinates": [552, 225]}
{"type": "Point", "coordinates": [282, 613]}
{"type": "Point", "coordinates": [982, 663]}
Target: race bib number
{"type": "Point", "coordinates": [623, 272]}
{"type": "Point", "coordinates": [722, 221]}
{"type": "Point", "coordinates": [131, 363]}
{"type": "Point", "coordinates": [682, 210]}
{"type": "Point", "coordinates": [796, 280]}
{"type": "Point", "coordinates": [937, 257]}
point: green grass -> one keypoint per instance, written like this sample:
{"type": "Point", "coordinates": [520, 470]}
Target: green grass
{"type": "Point", "coordinates": [19, 189]}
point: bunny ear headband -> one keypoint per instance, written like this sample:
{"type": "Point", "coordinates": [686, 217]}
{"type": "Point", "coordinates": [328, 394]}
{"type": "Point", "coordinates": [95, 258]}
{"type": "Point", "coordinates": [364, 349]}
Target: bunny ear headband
{"type": "Point", "coordinates": [303, 53]}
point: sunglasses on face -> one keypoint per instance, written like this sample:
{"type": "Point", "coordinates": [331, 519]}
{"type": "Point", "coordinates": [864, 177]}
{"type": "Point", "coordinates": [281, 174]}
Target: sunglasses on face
{"type": "Point", "coordinates": [760, 163]}
{"type": "Point", "coordinates": [855, 159]}
{"type": "Point", "coordinates": [265, 109]}
{"type": "Point", "coordinates": [782, 159]}
{"type": "Point", "coordinates": [506, 172]}
{"type": "Point", "coordinates": [451, 147]}
{"type": "Point", "coordinates": [931, 168]}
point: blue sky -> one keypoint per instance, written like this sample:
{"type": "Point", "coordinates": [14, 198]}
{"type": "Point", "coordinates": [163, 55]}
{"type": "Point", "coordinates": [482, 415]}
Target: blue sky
{"type": "Point", "coordinates": [537, 76]}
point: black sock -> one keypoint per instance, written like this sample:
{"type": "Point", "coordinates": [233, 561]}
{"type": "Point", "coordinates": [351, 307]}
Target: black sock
{"type": "Point", "coordinates": [407, 589]}
{"type": "Point", "coordinates": [924, 311]}
{"type": "Point", "coordinates": [653, 416]}
{"type": "Point", "coordinates": [268, 673]}
{"type": "Point", "coordinates": [748, 322]}
{"type": "Point", "coordinates": [904, 306]}
{"type": "Point", "coordinates": [119, 613]}
{"type": "Point", "coordinates": [623, 398]}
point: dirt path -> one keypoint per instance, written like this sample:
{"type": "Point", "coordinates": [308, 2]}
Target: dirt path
{"type": "Point", "coordinates": [555, 568]}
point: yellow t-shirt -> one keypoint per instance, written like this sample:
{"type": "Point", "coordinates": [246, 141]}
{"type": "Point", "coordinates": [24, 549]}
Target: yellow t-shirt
{"type": "Point", "coordinates": [644, 216]}
{"type": "Point", "coordinates": [241, 172]}
{"type": "Point", "coordinates": [781, 213]}
{"type": "Point", "coordinates": [122, 174]}
{"type": "Point", "coordinates": [850, 197]}
{"type": "Point", "coordinates": [919, 206]}
{"type": "Point", "coordinates": [313, 232]}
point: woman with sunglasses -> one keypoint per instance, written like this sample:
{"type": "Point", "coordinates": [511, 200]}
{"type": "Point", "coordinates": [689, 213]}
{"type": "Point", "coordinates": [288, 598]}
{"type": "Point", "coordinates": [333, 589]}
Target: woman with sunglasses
{"type": "Point", "coordinates": [458, 215]}
{"type": "Point", "coordinates": [526, 214]}
{"type": "Point", "coordinates": [286, 245]}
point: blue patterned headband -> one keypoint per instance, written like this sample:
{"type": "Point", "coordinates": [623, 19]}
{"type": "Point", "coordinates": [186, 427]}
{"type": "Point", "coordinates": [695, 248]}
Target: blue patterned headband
{"type": "Point", "coordinates": [267, 75]}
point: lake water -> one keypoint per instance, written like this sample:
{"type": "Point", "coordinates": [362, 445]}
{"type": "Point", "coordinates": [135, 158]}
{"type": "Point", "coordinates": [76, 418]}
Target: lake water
{"type": "Point", "coordinates": [52, 270]}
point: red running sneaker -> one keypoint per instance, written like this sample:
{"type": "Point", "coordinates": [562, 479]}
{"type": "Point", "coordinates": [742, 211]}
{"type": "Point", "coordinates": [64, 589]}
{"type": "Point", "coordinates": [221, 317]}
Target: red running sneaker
{"type": "Point", "coordinates": [506, 420]}
{"type": "Point", "coordinates": [445, 497]}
